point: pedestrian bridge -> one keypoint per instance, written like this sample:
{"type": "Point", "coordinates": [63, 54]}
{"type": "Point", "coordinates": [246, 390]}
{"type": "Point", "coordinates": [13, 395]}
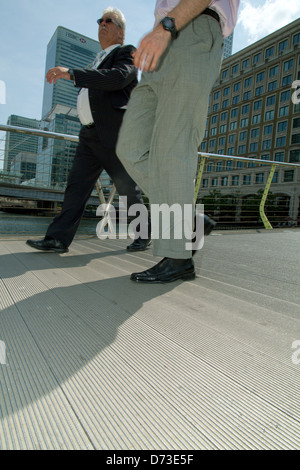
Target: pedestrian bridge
{"type": "Point", "coordinates": [91, 360]}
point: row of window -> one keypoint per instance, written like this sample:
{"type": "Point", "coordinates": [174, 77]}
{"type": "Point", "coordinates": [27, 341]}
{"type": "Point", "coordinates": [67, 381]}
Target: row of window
{"type": "Point", "coordinates": [268, 129]}
{"type": "Point", "coordinates": [257, 178]}
{"type": "Point", "coordinates": [258, 57]}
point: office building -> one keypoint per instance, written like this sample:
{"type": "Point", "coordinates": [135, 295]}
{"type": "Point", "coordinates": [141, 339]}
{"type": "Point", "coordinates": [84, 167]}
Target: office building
{"type": "Point", "coordinates": [252, 113]}
{"type": "Point", "coordinates": [16, 143]}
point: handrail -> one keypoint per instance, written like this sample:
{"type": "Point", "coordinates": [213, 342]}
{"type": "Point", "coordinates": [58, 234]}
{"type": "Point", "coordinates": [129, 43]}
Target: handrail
{"type": "Point", "coordinates": [205, 156]}
{"type": "Point", "coordinates": [38, 132]}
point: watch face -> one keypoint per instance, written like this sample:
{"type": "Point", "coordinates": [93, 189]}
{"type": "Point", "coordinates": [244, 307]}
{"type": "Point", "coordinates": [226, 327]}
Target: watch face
{"type": "Point", "coordinates": [168, 23]}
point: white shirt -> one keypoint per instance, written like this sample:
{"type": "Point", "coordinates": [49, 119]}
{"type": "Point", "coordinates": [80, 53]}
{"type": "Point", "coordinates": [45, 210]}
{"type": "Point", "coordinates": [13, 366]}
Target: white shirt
{"type": "Point", "coordinates": [83, 102]}
{"type": "Point", "coordinates": [226, 9]}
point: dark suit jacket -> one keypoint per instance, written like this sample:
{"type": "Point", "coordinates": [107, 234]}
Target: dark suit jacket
{"type": "Point", "coordinates": [109, 87]}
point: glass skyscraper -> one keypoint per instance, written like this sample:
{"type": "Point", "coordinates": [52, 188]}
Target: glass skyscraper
{"type": "Point", "coordinates": [68, 49]}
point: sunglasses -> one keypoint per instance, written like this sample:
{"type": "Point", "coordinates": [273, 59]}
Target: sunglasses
{"type": "Point", "coordinates": [107, 20]}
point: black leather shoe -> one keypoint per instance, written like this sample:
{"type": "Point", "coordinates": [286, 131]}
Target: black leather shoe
{"type": "Point", "coordinates": [167, 270]}
{"type": "Point", "coordinates": [48, 245]}
{"type": "Point", "coordinates": [140, 244]}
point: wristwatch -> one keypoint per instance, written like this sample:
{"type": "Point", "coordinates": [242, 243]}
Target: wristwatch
{"type": "Point", "coordinates": [71, 73]}
{"type": "Point", "coordinates": [168, 24]}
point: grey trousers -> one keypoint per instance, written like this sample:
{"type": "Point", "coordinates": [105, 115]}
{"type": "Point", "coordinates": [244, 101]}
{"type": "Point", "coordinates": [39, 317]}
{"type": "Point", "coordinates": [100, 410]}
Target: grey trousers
{"type": "Point", "coordinates": [165, 123]}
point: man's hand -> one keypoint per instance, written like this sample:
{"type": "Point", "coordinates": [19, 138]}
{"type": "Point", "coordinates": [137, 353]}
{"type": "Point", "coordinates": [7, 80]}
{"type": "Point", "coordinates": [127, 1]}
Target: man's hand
{"type": "Point", "coordinates": [56, 73]}
{"type": "Point", "coordinates": [151, 48]}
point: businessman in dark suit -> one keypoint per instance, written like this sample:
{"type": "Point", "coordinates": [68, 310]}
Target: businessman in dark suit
{"type": "Point", "coordinates": [105, 89]}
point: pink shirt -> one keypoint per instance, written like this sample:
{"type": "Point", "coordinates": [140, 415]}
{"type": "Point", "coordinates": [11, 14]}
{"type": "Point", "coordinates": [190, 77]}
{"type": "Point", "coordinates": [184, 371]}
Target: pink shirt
{"type": "Point", "coordinates": [226, 9]}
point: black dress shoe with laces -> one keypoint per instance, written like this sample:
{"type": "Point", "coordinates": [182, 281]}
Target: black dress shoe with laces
{"type": "Point", "coordinates": [48, 245]}
{"type": "Point", "coordinates": [167, 270]}
{"type": "Point", "coordinates": [140, 244]}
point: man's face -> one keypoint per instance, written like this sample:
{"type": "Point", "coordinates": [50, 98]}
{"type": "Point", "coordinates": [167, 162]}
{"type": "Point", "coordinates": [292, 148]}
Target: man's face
{"type": "Point", "coordinates": [109, 33]}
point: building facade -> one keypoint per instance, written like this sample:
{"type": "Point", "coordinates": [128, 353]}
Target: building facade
{"type": "Point", "coordinates": [252, 114]}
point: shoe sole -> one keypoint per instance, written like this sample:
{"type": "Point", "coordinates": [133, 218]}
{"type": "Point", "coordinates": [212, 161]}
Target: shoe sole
{"type": "Point", "coordinates": [184, 277]}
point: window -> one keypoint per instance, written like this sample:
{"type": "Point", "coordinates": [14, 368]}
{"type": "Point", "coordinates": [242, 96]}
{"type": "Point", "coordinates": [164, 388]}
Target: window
{"type": "Point", "coordinates": [224, 115]}
{"type": "Point", "coordinates": [273, 71]}
{"type": "Point", "coordinates": [231, 138]}
{"type": "Point", "coordinates": [213, 131]}
{"type": "Point", "coordinates": [271, 100]}
{"type": "Point", "coordinates": [221, 151]}
{"type": "Point", "coordinates": [234, 113]}
{"type": "Point", "coordinates": [259, 90]}
{"type": "Point", "coordinates": [288, 176]}
{"type": "Point", "coordinates": [275, 177]}
{"type": "Point", "coordinates": [295, 139]}
{"type": "Point", "coordinates": [243, 135]}
{"type": "Point", "coordinates": [235, 180]}
{"type": "Point", "coordinates": [257, 58]}
{"type": "Point", "coordinates": [237, 86]}
{"type": "Point", "coordinates": [219, 166]}
{"type": "Point", "coordinates": [240, 164]}
{"type": "Point", "coordinates": [287, 80]}
{"type": "Point", "coordinates": [225, 74]}
{"type": "Point", "coordinates": [230, 151]}
{"type": "Point", "coordinates": [255, 132]}
{"type": "Point", "coordinates": [224, 181]}
{"type": "Point", "coordinates": [223, 128]}
{"type": "Point", "coordinates": [247, 179]}
{"type": "Point", "coordinates": [214, 119]}
{"type": "Point", "coordinates": [295, 156]}
{"type": "Point", "coordinates": [247, 95]}
{"type": "Point", "coordinates": [296, 38]}
{"type": "Point", "coordinates": [260, 77]}
{"type": "Point", "coordinates": [226, 91]}
{"type": "Point", "coordinates": [282, 45]}
{"type": "Point", "coordinates": [296, 123]}
{"type": "Point", "coordinates": [285, 95]}
{"type": "Point", "coordinates": [281, 141]}
{"type": "Point", "coordinates": [272, 85]}
{"type": "Point", "coordinates": [268, 129]}
{"type": "Point", "coordinates": [283, 111]}
{"type": "Point", "coordinates": [279, 157]}
{"type": "Point", "coordinates": [248, 82]}
{"type": "Point", "coordinates": [256, 119]}
{"type": "Point", "coordinates": [214, 182]}
{"type": "Point", "coordinates": [259, 178]}
{"type": "Point", "coordinates": [269, 115]}
{"type": "Point", "coordinates": [235, 68]}
{"type": "Point", "coordinates": [203, 146]}
{"type": "Point", "coordinates": [253, 147]}
{"type": "Point", "coordinates": [229, 165]}
{"type": "Point", "coordinates": [212, 143]}
{"type": "Point", "coordinates": [257, 105]}
{"type": "Point", "coordinates": [245, 64]}
{"type": "Point", "coordinates": [288, 65]}
{"type": "Point", "coordinates": [210, 167]}
{"type": "Point", "coordinates": [269, 52]}
{"type": "Point", "coordinates": [233, 125]}
{"type": "Point", "coordinates": [244, 122]}
{"type": "Point", "coordinates": [266, 156]}
{"type": "Point", "coordinates": [225, 104]}
{"type": "Point", "coordinates": [221, 141]}
{"type": "Point", "coordinates": [235, 99]}
{"type": "Point", "coordinates": [266, 144]}
{"type": "Point", "coordinates": [282, 126]}
{"type": "Point", "coordinates": [205, 183]}
{"type": "Point", "coordinates": [241, 149]}
{"type": "Point", "coordinates": [215, 107]}
{"type": "Point", "coordinates": [245, 109]}
{"type": "Point", "coordinates": [216, 95]}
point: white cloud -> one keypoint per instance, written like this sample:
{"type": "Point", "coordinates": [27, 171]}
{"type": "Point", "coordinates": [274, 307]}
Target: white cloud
{"type": "Point", "coordinates": [266, 17]}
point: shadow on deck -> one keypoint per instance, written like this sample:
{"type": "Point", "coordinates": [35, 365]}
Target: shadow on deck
{"type": "Point", "coordinates": [95, 361]}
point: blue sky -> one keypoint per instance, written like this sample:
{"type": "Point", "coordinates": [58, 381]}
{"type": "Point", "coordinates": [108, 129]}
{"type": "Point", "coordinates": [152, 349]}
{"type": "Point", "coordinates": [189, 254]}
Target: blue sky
{"type": "Point", "coordinates": [26, 26]}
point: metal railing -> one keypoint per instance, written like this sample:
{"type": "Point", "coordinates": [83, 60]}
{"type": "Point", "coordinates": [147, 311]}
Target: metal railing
{"type": "Point", "coordinates": [15, 160]}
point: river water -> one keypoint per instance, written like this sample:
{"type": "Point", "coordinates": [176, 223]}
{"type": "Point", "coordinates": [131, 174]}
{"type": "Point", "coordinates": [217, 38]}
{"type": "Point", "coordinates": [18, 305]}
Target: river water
{"type": "Point", "coordinates": [18, 225]}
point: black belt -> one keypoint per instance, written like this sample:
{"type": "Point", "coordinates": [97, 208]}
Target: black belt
{"type": "Point", "coordinates": [90, 126]}
{"type": "Point", "coordinates": [212, 13]}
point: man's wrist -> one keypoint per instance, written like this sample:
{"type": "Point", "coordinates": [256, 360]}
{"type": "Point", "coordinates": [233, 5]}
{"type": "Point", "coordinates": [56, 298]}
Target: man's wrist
{"type": "Point", "coordinates": [168, 23]}
{"type": "Point", "coordinates": [71, 73]}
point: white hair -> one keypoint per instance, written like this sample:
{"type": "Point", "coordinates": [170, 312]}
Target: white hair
{"type": "Point", "coordinates": [118, 15]}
